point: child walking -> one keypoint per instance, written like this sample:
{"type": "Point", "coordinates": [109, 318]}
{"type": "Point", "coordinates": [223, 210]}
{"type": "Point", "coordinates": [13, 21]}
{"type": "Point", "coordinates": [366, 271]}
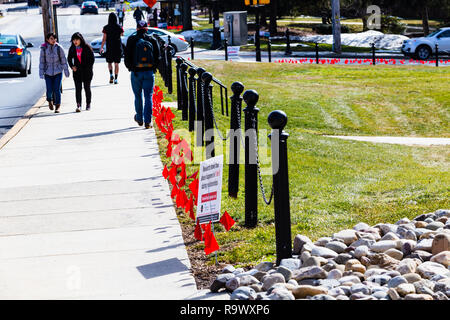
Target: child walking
{"type": "Point", "coordinates": [81, 60]}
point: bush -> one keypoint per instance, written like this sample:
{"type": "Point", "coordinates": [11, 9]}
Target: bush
{"type": "Point", "coordinates": [392, 25]}
{"type": "Point", "coordinates": [328, 29]}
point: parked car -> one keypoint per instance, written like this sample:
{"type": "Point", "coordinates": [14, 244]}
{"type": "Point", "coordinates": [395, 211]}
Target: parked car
{"type": "Point", "coordinates": [14, 54]}
{"type": "Point", "coordinates": [422, 48]}
{"type": "Point", "coordinates": [89, 7]}
{"type": "Point", "coordinates": [178, 42]}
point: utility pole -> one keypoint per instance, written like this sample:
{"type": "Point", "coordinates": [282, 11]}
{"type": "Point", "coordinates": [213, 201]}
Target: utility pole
{"type": "Point", "coordinates": [47, 17]}
{"type": "Point", "coordinates": [336, 20]}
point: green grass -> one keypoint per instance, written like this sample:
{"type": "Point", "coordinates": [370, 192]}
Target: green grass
{"type": "Point", "coordinates": [334, 183]}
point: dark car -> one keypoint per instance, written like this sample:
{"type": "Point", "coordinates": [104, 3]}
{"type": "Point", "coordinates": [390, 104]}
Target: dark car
{"type": "Point", "coordinates": [89, 7]}
{"type": "Point", "coordinates": [14, 54]}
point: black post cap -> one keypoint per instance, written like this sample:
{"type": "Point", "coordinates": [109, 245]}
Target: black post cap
{"type": "Point", "coordinates": [184, 66]}
{"type": "Point", "coordinates": [192, 72]}
{"type": "Point", "coordinates": [179, 61]}
{"type": "Point", "coordinates": [277, 119]}
{"type": "Point", "coordinates": [251, 98]}
{"type": "Point", "coordinates": [207, 77]}
{"type": "Point", "coordinates": [237, 88]}
{"type": "Point", "coordinates": [200, 71]}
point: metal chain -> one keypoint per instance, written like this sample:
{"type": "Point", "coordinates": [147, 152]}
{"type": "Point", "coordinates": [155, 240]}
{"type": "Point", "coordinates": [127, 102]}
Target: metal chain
{"type": "Point", "coordinates": [263, 191]}
{"type": "Point", "coordinates": [214, 118]}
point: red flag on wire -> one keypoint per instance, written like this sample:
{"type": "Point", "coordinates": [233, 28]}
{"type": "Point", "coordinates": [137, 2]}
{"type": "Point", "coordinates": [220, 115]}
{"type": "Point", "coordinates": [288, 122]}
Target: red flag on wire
{"type": "Point", "coordinates": [181, 198]}
{"type": "Point", "coordinates": [193, 186]}
{"type": "Point", "coordinates": [227, 221]}
{"type": "Point", "coordinates": [165, 172]}
{"type": "Point", "coordinates": [211, 244]}
{"type": "Point", "coordinates": [193, 176]}
{"type": "Point", "coordinates": [150, 3]}
{"type": "Point", "coordinates": [174, 191]}
{"type": "Point", "coordinates": [198, 232]}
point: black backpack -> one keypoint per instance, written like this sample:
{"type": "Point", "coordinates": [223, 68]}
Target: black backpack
{"type": "Point", "coordinates": [143, 54]}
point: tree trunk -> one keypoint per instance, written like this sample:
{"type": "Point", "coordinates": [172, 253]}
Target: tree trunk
{"type": "Point", "coordinates": [47, 17]}
{"type": "Point", "coordinates": [273, 17]}
{"type": "Point", "coordinates": [187, 15]}
{"type": "Point", "coordinates": [425, 24]}
{"type": "Point", "coordinates": [336, 20]}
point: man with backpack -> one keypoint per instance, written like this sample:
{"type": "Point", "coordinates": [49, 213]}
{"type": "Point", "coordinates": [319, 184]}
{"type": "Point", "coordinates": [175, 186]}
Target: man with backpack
{"type": "Point", "coordinates": [142, 58]}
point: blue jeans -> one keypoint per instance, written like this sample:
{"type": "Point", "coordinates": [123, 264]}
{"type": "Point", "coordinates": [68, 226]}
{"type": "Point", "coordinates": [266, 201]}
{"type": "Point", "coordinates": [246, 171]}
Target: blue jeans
{"type": "Point", "coordinates": [143, 81]}
{"type": "Point", "coordinates": [53, 84]}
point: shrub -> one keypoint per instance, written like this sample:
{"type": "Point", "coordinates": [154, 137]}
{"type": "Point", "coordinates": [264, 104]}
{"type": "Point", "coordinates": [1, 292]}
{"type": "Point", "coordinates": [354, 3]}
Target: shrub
{"type": "Point", "coordinates": [392, 25]}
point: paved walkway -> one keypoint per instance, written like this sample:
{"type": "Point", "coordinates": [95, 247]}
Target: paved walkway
{"type": "Point", "coordinates": [84, 210]}
{"type": "Point", "coordinates": [399, 140]}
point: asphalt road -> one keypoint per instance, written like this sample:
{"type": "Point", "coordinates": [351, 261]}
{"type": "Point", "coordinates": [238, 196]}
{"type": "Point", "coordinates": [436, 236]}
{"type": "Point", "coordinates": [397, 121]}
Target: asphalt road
{"type": "Point", "coordinates": [18, 94]}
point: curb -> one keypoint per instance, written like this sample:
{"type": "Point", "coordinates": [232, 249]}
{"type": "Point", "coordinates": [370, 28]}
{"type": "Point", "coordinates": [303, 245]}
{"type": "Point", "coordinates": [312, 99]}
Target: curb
{"type": "Point", "coordinates": [22, 122]}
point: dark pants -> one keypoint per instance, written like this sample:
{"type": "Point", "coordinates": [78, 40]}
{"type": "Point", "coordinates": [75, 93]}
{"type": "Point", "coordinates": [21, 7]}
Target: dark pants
{"type": "Point", "coordinates": [79, 83]}
{"type": "Point", "coordinates": [53, 85]}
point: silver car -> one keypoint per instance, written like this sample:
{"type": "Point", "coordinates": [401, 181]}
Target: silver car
{"type": "Point", "coordinates": [177, 42]}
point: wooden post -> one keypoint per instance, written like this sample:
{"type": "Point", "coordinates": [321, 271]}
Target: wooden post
{"type": "Point", "coordinates": [47, 17]}
{"type": "Point", "coordinates": [336, 20]}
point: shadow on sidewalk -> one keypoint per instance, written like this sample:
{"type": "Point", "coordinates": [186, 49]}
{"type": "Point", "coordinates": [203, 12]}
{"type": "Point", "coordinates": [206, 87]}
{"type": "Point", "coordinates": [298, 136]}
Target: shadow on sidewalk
{"type": "Point", "coordinates": [162, 268]}
{"type": "Point", "coordinates": [90, 135]}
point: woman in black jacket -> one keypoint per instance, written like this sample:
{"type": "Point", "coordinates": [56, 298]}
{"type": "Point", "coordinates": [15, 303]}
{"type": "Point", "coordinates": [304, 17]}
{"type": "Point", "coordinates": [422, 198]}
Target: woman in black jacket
{"type": "Point", "coordinates": [81, 61]}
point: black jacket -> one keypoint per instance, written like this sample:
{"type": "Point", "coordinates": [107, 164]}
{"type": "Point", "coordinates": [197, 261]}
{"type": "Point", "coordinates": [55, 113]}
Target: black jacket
{"type": "Point", "coordinates": [84, 69]}
{"type": "Point", "coordinates": [131, 46]}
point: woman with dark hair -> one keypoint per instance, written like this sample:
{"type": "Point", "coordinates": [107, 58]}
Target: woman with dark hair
{"type": "Point", "coordinates": [111, 36]}
{"type": "Point", "coordinates": [81, 59]}
{"type": "Point", "coordinates": [52, 63]}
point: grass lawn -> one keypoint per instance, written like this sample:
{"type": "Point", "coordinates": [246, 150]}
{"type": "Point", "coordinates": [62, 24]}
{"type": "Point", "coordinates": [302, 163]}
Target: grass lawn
{"type": "Point", "coordinates": [335, 184]}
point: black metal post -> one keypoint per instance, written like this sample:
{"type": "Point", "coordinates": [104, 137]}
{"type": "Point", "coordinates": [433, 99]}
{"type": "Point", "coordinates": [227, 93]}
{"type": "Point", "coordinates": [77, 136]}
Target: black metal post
{"type": "Point", "coordinates": [208, 112]}
{"type": "Point", "coordinates": [235, 139]}
{"type": "Point", "coordinates": [179, 61]}
{"type": "Point", "coordinates": [192, 48]}
{"type": "Point", "coordinates": [257, 36]}
{"type": "Point", "coordinates": [200, 119]}
{"type": "Point", "coordinates": [288, 43]}
{"type": "Point", "coordinates": [317, 53]}
{"type": "Point", "coordinates": [277, 120]}
{"type": "Point", "coordinates": [184, 91]}
{"type": "Point", "coordinates": [269, 49]}
{"type": "Point", "coordinates": [225, 44]}
{"type": "Point", "coordinates": [437, 55]}
{"type": "Point", "coordinates": [169, 84]}
{"type": "Point", "coordinates": [374, 61]}
{"type": "Point", "coordinates": [251, 170]}
{"type": "Point", "coordinates": [191, 100]}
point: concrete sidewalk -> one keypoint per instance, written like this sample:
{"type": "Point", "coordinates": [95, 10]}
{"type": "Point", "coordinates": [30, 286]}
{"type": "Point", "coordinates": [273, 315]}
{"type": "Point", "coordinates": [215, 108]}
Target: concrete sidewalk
{"type": "Point", "coordinates": [84, 210]}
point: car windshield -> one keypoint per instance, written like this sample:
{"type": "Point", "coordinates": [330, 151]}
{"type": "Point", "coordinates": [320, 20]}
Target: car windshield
{"type": "Point", "coordinates": [128, 32]}
{"type": "Point", "coordinates": [434, 33]}
{"type": "Point", "coordinates": [7, 39]}
{"type": "Point", "coordinates": [91, 3]}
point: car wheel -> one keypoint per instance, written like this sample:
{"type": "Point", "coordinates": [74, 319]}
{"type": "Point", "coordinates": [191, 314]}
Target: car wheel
{"type": "Point", "coordinates": [423, 52]}
{"type": "Point", "coordinates": [29, 68]}
{"type": "Point", "coordinates": [23, 73]}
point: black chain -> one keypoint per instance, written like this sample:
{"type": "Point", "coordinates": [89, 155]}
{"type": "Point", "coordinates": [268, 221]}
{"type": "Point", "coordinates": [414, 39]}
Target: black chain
{"type": "Point", "coordinates": [214, 118]}
{"type": "Point", "coordinates": [263, 191]}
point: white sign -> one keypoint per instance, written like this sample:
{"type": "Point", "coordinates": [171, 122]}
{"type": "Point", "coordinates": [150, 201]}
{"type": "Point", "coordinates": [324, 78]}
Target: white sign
{"type": "Point", "coordinates": [210, 190]}
{"type": "Point", "coordinates": [233, 52]}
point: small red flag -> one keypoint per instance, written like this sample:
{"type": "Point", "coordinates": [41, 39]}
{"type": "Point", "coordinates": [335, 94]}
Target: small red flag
{"type": "Point", "coordinates": [174, 191]}
{"type": "Point", "coordinates": [150, 3]}
{"type": "Point", "coordinates": [165, 172]}
{"type": "Point", "coordinates": [227, 221]}
{"type": "Point", "coordinates": [194, 175]}
{"type": "Point", "coordinates": [193, 186]}
{"type": "Point", "coordinates": [181, 198]}
{"type": "Point", "coordinates": [211, 244]}
{"type": "Point", "coordinates": [198, 232]}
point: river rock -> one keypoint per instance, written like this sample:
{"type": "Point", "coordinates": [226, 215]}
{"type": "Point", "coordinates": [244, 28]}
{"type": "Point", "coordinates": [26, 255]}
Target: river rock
{"type": "Point", "coordinates": [321, 242]}
{"type": "Point", "coordinates": [424, 244]}
{"type": "Point", "coordinates": [442, 258]}
{"type": "Point", "coordinates": [303, 291]}
{"type": "Point", "coordinates": [434, 225]}
{"type": "Point", "coordinates": [220, 281]}
{"type": "Point", "coordinates": [299, 241]}
{"type": "Point", "coordinates": [323, 252]}
{"type": "Point", "coordinates": [243, 293]}
{"type": "Point", "coordinates": [281, 294]}
{"type": "Point", "coordinates": [232, 284]}
{"type": "Point", "coordinates": [390, 236]}
{"type": "Point", "coordinates": [270, 280]}
{"type": "Point", "coordinates": [405, 289]}
{"type": "Point", "coordinates": [380, 279]}
{"type": "Point", "coordinates": [347, 236]}
{"type": "Point", "coordinates": [394, 253]}
{"type": "Point", "coordinates": [334, 274]}
{"type": "Point", "coordinates": [415, 296]}
{"type": "Point", "coordinates": [305, 256]}
{"type": "Point", "coordinates": [264, 266]}
{"type": "Point", "coordinates": [429, 269]}
{"type": "Point", "coordinates": [247, 280]}
{"type": "Point", "coordinates": [313, 272]}
{"type": "Point", "coordinates": [342, 258]}
{"type": "Point", "coordinates": [396, 281]}
{"type": "Point", "coordinates": [285, 272]}
{"type": "Point", "coordinates": [412, 277]}
{"type": "Point", "coordinates": [291, 263]}
{"type": "Point", "coordinates": [312, 261]}
{"type": "Point", "coordinates": [383, 245]}
{"type": "Point", "coordinates": [336, 246]}
{"type": "Point", "coordinates": [424, 286]}
{"type": "Point", "coordinates": [440, 243]}
{"type": "Point", "coordinates": [360, 288]}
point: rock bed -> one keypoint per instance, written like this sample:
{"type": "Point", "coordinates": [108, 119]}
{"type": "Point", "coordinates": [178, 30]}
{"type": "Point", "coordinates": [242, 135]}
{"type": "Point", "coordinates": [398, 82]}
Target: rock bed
{"type": "Point", "coordinates": [408, 260]}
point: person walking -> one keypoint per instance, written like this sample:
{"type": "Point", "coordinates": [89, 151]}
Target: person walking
{"type": "Point", "coordinates": [138, 15]}
{"type": "Point", "coordinates": [81, 60]}
{"type": "Point", "coordinates": [141, 59]}
{"type": "Point", "coordinates": [121, 12]}
{"type": "Point", "coordinates": [111, 36]}
{"type": "Point", "coordinates": [52, 63]}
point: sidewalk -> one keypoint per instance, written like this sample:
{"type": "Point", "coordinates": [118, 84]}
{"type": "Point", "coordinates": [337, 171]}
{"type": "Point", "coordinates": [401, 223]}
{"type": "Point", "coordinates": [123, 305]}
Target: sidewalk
{"type": "Point", "coordinates": [84, 210]}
